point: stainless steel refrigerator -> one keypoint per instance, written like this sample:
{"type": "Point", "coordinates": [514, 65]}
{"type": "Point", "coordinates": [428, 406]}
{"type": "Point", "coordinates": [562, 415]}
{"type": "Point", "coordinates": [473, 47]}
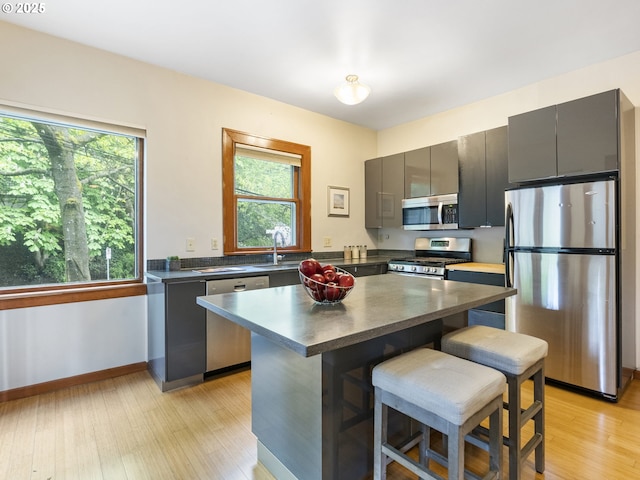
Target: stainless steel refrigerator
{"type": "Point", "coordinates": [564, 255]}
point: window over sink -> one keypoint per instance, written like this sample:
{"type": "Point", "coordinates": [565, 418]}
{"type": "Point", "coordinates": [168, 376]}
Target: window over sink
{"type": "Point", "coordinates": [267, 184]}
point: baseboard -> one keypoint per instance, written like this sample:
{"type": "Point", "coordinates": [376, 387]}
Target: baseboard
{"type": "Point", "coordinates": [53, 385]}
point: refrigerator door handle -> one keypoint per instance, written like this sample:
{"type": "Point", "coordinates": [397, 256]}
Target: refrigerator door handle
{"type": "Point", "coordinates": [508, 261]}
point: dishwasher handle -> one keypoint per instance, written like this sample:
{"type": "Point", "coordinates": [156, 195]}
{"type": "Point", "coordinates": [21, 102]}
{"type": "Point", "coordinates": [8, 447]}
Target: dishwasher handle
{"type": "Point", "coordinates": [239, 288]}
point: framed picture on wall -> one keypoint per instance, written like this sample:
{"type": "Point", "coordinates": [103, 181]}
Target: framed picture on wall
{"type": "Point", "coordinates": [338, 201]}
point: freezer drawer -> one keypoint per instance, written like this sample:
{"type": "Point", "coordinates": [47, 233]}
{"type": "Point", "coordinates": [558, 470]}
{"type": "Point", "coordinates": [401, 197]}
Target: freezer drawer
{"type": "Point", "coordinates": [579, 215]}
{"type": "Point", "coordinates": [569, 300]}
{"type": "Point", "coordinates": [229, 344]}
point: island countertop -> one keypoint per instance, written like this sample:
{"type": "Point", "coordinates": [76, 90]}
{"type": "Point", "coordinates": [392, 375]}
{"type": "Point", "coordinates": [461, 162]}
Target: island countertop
{"type": "Point", "coordinates": [378, 305]}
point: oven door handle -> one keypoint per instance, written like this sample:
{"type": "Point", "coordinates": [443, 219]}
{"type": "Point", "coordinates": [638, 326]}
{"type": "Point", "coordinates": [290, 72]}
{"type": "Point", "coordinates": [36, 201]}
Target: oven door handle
{"type": "Point", "coordinates": [416, 275]}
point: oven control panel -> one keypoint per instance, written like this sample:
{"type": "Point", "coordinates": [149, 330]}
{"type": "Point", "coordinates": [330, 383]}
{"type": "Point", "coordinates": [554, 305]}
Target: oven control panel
{"type": "Point", "coordinates": [416, 269]}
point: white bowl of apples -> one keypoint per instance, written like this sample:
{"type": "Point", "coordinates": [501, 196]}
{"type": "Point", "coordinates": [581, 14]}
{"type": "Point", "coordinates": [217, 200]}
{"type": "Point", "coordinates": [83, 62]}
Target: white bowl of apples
{"type": "Point", "coordinates": [325, 284]}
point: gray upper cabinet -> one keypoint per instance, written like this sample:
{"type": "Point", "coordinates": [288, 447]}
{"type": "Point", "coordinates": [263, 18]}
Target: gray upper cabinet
{"type": "Point", "coordinates": [579, 137]}
{"type": "Point", "coordinates": [444, 168]}
{"type": "Point", "coordinates": [431, 170]}
{"type": "Point", "coordinates": [384, 191]}
{"type": "Point", "coordinates": [372, 191]}
{"type": "Point", "coordinates": [588, 135]}
{"type": "Point", "coordinates": [417, 173]}
{"type": "Point", "coordinates": [532, 145]}
{"type": "Point", "coordinates": [483, 178]}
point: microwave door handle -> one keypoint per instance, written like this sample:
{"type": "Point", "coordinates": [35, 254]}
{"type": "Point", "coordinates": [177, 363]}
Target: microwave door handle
{"type": "Point", "coordinates": [440, 213]}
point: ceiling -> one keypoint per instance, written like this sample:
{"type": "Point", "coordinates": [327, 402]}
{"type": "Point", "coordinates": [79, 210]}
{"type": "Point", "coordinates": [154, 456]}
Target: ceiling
{"type": "Point", "coordinates": [419, 57]}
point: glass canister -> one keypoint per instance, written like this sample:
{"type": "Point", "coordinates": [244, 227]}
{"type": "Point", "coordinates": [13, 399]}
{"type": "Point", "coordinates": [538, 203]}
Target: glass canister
{"type": "Point", "coordinates": [363, 251]}
{"type": "Point", "coordinates": [347, 252]}
{"type": "Point", "coordinates": [355, 252]}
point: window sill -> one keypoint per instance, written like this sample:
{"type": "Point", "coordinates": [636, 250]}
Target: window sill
{"type": "Point", "coordinates": [56, 297]}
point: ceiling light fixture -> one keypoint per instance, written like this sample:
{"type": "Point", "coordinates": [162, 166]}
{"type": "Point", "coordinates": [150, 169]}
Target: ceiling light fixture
{"type": "Point", "coordinates": [352, 92]}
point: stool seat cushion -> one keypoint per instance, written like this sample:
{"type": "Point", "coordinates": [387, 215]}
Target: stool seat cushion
{"type": "Point", "coordinates": [447, 386]}
{"type": "Point", "coordinates": [508, 352]}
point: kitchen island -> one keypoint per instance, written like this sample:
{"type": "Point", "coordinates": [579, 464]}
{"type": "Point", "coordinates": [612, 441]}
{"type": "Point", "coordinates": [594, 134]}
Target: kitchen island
{"type": "Point", "coordinates": [311, 364]}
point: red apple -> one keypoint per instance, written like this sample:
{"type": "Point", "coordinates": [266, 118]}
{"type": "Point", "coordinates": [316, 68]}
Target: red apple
{"type": "Point", "coordinates": [317, 295]}
{"type": "Point", "coordinates": [317, 277]}
{"type": "Point", "coordinates": [329, 275]}
{"type": "Point", "coordinates": [328, 266]}
{"type": "Point", "coordinates": [332, 292]}
{"type": "Point", "coordinates": [310, 266]}
{"type": "Point", "coordinates": [346, 280]}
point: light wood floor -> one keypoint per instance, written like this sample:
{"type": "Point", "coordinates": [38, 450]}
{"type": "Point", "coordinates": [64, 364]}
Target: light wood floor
{"type": "Point", "coordinates": [125, 428]}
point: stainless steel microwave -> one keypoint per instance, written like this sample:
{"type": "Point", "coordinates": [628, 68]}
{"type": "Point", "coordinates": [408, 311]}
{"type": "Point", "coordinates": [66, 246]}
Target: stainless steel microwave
{"type": "Point", "coordinates": [430, 213]}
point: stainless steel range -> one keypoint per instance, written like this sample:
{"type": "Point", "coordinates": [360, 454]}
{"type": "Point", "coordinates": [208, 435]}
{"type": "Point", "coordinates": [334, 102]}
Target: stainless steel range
{"type": "Point", "coordinates": [432, 255]}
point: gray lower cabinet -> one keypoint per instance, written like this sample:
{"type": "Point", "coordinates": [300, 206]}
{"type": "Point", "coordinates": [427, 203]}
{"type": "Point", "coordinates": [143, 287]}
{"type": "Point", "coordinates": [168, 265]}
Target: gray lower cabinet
{"type": "Point", "coordinates": [492, 314]}
{"type": "Point", "coordinates": [177, 333]}
{"type": "Point", "coordinates": [177, 325]}
{"type": "Point", "coordinates": [365, 270]}
{"type": "Point", "coordinates": [483, 178]}
{"type": "Point", "coordinates": [281, 279]}
{"type": "Point", "coordinates": [575, 138]}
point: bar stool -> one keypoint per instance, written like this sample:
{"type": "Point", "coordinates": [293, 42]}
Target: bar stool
{"type": "Point", "coordinates": [520, 357]}
{"type": "Point", "coordinates": [443, 392]}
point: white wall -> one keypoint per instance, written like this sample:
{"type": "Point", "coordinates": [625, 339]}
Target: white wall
{"type": "Point", "coordinates": [183, 117]}
{"type": "Point", "coordinates": [47, 343]}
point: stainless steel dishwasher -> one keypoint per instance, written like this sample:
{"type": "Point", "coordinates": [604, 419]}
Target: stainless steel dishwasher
{"type": "Point", "coordinates": [228, 344]}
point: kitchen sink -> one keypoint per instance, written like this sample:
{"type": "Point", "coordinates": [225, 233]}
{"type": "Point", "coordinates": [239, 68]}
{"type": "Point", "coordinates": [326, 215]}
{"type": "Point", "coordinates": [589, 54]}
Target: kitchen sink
{"type": "Point", "coordinates": [247, 268]}
{"type": "Point", "coordinates": [219, 269]}
{"type": "Point", "coordinates": [269, 266]}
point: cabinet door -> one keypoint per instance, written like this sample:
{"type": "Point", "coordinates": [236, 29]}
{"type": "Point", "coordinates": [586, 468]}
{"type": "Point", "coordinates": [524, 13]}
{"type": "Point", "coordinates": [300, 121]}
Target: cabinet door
{"type": "Point", "coordinates": [185, 331]}
{"type": "Point", "coordinates": [472, 198]}
{"type": "Point", "coordinates": [392, 190]}
{"type": "Point", "coordinates": [444, 168]}
{"type": "Point", "coordinates": [417, 173]}
{"type": "Point", "coordinates": [497, 174]}
{"type": "Point", "coordinates": [372, 193]}
{"type": "Point", "coordinates": [365, 270]}
{"type": "Point", "coordinates": [532, 145]}
{"type": "Point", "coordinates": [588, 135]}
{"type": "Point", "coordinates": [482, 278]}
{"type": "Point", "coordinates": [279, 279]}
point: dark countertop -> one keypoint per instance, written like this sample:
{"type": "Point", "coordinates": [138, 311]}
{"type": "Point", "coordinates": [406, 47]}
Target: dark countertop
{"type": "Point", "coordinates": [249, 270]}
{"type": "Point", "coordinates": [378, 305]}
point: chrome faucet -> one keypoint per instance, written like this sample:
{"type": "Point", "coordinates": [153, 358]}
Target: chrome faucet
{"type": "Point", "coordinates": [276, 257]}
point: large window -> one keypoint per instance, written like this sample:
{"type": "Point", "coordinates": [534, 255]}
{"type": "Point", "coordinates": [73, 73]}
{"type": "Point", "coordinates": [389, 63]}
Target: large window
{"type": "Point", "coordinates": [266, 191]}
{"type": "Point", "coordinates": [69, 205]}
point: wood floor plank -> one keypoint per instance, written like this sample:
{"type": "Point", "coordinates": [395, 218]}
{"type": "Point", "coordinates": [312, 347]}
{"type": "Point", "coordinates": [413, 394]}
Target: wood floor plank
{"type": "Point", "coordinates": [126, 429]}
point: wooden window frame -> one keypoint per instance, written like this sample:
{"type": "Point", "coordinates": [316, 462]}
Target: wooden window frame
{"type": "Point", "coordinates": [302, 191]}
{"type": "Point", "coordinates": [42, 295]}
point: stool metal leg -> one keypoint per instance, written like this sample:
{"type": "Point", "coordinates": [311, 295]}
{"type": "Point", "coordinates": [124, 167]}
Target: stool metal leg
{"type": "Point", "coordinates": [380, 416]}
{"type": "Point", "coordinates": [538, 396]}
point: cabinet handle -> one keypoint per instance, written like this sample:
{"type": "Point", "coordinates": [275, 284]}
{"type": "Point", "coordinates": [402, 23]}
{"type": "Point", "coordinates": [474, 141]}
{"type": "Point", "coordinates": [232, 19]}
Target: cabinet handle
{"type": "Point", "coordinates": [239, 288]}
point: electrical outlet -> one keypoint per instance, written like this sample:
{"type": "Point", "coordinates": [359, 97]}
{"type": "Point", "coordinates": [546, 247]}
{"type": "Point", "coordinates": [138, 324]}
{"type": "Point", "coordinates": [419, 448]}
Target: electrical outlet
{"type": "Point", "coordinates": [327, 241]}
{"type": "Point", "coordinates": [214, 244]}
{"type": "Point", "coordinates": [190, 245]}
